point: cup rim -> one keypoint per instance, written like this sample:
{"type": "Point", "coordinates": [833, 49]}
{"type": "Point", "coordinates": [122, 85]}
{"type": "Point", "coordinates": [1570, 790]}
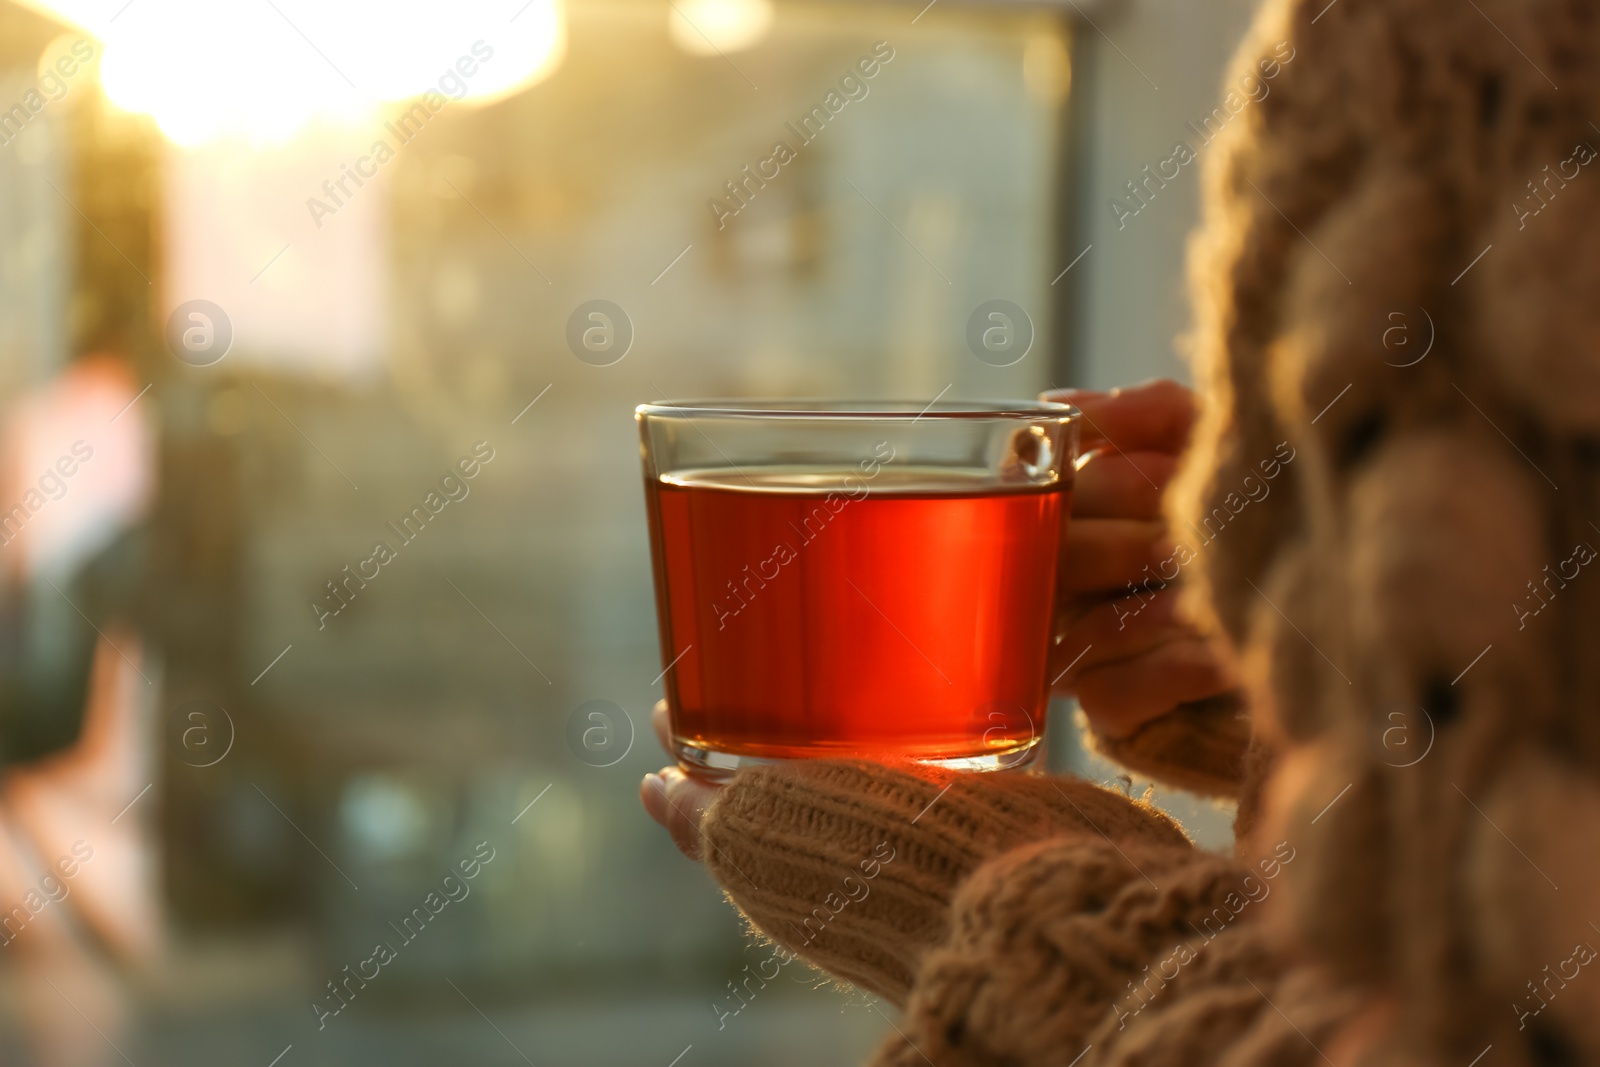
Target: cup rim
{"type": "Point", "coordinates": [866, 410]}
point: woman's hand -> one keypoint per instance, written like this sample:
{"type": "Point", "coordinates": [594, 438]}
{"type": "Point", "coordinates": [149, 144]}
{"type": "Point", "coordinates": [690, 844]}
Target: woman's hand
{"type": "Point", "coordinates": [674, 798]}
{"type": "Point", "coordinates": [1120, 648]}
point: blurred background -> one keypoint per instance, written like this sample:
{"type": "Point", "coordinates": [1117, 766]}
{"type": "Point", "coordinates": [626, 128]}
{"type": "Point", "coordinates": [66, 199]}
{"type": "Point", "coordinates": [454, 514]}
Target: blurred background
{"type": "Point", "coordinates": [273, 270]}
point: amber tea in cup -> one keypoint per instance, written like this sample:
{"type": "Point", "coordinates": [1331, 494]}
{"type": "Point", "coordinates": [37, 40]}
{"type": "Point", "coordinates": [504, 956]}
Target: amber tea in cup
{"type": "Point", "coordinates": [852, 579]}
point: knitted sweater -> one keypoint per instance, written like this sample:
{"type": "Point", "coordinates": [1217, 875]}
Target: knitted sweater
{"type": "Point", "coordinates": [1395, 279]}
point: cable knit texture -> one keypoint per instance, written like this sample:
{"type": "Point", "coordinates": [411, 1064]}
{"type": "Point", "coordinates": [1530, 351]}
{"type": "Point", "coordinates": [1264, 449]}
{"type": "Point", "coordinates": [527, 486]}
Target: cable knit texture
{"type": "Point", "coordinates": [785, 838]}
{"type": "Point", "coordinates": [1413, 602]}
{"type": "Point", "coordinates": [1395, 283]}
{"type": "Point", "coordinates": [1121, 954]}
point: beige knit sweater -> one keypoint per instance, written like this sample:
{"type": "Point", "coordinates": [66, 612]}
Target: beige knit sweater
{"type": "Point", "coordinates": [1398, 276]}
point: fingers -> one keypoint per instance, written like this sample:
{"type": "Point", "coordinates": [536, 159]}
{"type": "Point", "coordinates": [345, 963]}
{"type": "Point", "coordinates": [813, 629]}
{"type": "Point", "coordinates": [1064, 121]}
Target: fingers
{"type": "Point", "coordinates": [1120, 697]}
{"type": "Point", "coordinates": [1114, 485]}
{"type": "Point", "coordinates": [678, 802]}
{"type": "Point", "coordinates": [661, 722]}
{"type": "Point", "coordinates": [1114, 630]}
{"type": "Point", "coordinates": [1156, 416]}
{"type": "Point", "coordinates": [673, 798]}
{"type": "Point", "coordinates": [1104, 555]}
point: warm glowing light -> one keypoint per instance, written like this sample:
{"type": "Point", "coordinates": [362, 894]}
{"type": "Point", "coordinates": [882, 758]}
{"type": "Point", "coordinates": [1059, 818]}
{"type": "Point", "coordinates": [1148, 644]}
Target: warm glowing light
{"type": "Point", "coordinates": [1047, 67]}
{"type": "Point", "coordinates": [65, 60]}
{"type": "Point", "coordinates": [206, 70]}
{"type": "Point", "coordinates": [526, 53]}
{"type": "Point", "coordinates": [710, 27]}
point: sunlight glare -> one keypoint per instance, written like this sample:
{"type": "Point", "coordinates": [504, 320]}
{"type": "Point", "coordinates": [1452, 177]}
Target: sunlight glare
{"type": "Point", "coordinates": [206, 70]}
{"type": "Point", "coordinates": [713, 27]}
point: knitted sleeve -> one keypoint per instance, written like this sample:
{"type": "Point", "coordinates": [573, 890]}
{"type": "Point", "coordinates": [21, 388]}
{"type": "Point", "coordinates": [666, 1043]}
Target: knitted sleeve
{"type": "Point", "coordinates": [1085, 952]}
{"type": "Point", "coordinates": [853, 865]}
{"type": "Point", "coordinates": [1019, 919]}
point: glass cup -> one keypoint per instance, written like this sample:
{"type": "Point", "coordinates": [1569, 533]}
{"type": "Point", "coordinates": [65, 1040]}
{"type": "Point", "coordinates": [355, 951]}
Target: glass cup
{"type": "Point", "coordinates": [856, 579]}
